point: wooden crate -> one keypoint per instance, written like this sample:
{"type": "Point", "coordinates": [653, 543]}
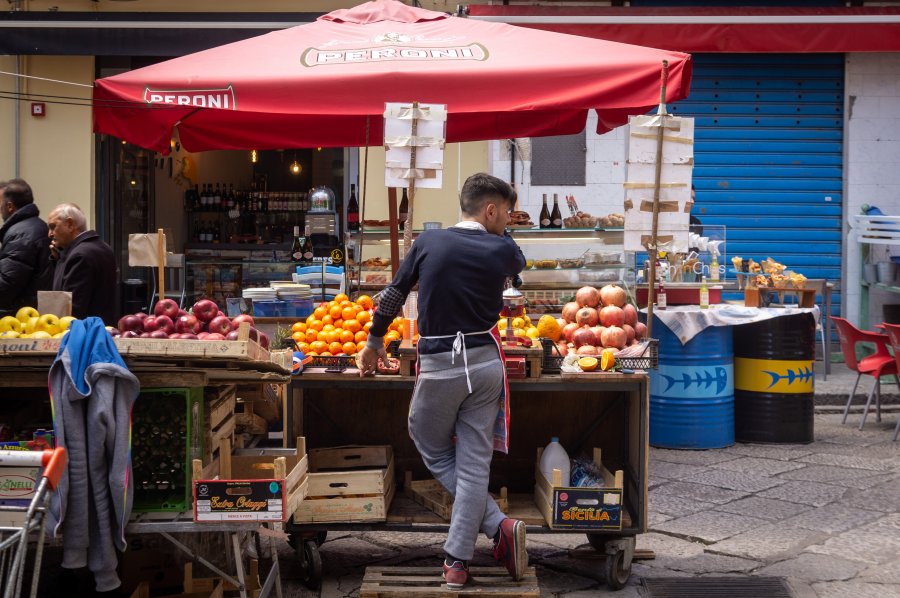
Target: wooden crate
{"type": "Point", "coordinates": [426, 582]}
{"type": "Point", "coordinates": [431, 495]}
{"type": "Point", "coordinates": [290, 465]}
{"type": "Point", "coordinates": [763, 296]}
{"type": "Point", "coordinates": [533, 357]}
{"type": "Point", "coordinates": [550, 497]}
{"type": "Point", "coordinates": [350, 483]}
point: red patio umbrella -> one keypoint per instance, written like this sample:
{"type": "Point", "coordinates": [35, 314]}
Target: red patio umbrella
{"type": "Point", "coordinates": [320, 84]}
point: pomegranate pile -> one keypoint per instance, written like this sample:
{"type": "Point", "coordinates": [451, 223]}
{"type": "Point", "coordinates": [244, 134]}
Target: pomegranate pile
{"type": "Point", "coordinates": [597, 320]}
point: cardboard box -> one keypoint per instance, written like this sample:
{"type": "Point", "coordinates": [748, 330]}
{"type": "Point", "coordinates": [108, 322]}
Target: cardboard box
{"type": "Point", "coordinates": [580, 508]}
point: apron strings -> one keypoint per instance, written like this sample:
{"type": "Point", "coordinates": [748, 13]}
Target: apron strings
{"type": "Point", "coordinates": [459, 346]}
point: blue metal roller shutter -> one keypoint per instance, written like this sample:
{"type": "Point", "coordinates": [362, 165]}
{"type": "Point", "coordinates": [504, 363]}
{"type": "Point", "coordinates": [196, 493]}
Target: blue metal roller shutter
{"type": "Point", "coordinates": [769, 156]}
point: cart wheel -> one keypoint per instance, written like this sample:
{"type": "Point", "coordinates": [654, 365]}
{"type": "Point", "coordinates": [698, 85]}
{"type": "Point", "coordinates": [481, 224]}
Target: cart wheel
{"type": "Point", "coordinates": [597, 542]}
{"type": "Point", "coordinates": [617, 575]}
{"type": "Point", "coordinates": [311, 562]}
{"type": "Point", "coordinates": [321, 537]}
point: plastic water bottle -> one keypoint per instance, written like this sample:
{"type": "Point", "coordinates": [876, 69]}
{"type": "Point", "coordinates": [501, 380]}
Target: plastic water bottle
{"type": "Point", "coordinates": [555, 457]}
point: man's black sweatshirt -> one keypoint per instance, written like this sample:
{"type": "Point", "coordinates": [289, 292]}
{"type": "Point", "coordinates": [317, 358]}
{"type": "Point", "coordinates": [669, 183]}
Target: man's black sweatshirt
{"type": "Point", "coordinates": [461, 274]}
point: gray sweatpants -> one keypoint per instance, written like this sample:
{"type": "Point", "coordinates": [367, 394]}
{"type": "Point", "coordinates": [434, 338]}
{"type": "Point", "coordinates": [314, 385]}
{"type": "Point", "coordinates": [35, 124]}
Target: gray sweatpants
{"type": "Point", "coordinates": [441, 408]}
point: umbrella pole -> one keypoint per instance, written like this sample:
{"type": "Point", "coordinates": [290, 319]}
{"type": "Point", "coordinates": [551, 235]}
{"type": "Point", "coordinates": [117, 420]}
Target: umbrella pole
{"type": "Point", "coordinates": [362, 217]}
{"type": "Point", "coordinates": [653, 248]}
{"type": "Point", "coordinates": [407, 228]}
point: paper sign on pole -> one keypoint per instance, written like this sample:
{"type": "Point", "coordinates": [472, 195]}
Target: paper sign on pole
{"type": "Point", "coordinates": [429, 139]}
{"type": "Point", "coordinates": [674, 188]}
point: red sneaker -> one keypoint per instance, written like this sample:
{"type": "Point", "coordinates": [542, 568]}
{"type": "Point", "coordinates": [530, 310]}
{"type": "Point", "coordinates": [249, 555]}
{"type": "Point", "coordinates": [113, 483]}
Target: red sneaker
{"type": "Point", "coordinates": [456, 575]}
{"type": "Point", "coordinates": [509, 549]}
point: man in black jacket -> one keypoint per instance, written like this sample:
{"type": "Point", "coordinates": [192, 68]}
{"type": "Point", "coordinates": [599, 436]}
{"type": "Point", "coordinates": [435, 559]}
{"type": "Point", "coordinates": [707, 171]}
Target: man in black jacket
{"type": "Point", "coordinates": [84, 265]}
{"type": "Point", "coordinates": [23, 248]}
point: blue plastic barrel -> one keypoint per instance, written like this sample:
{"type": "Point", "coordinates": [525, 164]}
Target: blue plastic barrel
{"type": "Point", "coordinates": [692, 392]}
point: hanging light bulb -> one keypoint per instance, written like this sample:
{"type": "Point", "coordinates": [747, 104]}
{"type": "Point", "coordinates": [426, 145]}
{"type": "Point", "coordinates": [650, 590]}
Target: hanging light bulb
{"type": "Point", "coordinates": [254, 157]}
{"type": "Point", "coordinates": [296, 168]}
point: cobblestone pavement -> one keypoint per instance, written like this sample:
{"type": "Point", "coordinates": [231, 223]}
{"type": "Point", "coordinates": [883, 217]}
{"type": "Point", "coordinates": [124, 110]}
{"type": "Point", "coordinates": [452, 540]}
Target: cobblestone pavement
{"type": "Point", "coordinates": [826, 516]}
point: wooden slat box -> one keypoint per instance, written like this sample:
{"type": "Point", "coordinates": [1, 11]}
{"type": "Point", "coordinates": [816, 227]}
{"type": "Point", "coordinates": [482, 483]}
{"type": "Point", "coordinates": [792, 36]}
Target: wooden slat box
{"type": "Point", "coordinates": [350, 483]}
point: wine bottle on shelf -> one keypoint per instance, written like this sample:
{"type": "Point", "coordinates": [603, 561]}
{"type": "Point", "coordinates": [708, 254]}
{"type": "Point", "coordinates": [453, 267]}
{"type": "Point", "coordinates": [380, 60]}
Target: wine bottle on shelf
{"type": "Point", "coordinates": [353, 211]}
{"type": "Point", "coordinates": [555, 216]}
{"type": "Point", "coordinates": [217, 199]}
{"type": "Point", "coordinates": [544, 221]}
{"type": "Point", "coordinates": [403, 210]}
{"type": "Point", "coordinates": [307, 245]}
{"type": "Point", "coordinates": [661, 296]}
{"type": "Point", "coordinates": [297, 246]}
{"type": "Point", "coordinates": [704, 294]}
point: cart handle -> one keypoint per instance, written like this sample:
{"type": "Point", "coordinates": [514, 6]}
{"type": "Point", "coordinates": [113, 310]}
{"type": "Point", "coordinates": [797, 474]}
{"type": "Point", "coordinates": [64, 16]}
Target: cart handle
{"type": "Point", "coordinates": [54, 462]}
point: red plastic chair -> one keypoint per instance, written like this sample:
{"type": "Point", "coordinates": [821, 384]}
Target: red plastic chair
{"type": "Point", "coordinates": [882, 363]}
{"type": "Point", "coordinates": [893, 331]}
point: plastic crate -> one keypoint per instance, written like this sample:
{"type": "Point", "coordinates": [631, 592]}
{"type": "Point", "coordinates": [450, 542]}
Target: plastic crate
{"type": "Point", "coordinates": [648, 361]}
{"type": "Point", "coordinates": [167, 433]}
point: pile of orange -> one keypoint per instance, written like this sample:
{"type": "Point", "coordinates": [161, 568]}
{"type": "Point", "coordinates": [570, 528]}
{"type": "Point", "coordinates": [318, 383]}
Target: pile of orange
{"type": "Point", "coordinates": [338, 327]}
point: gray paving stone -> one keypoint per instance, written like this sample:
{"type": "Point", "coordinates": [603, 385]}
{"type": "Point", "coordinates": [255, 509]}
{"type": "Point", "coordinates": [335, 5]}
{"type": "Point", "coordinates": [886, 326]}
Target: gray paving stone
{"type": "Point", "coordinates": [883, 497]}
{"type": "Point", "coordinates": [758, 466]}
{"type": "Point", "coordinates": [866, 482]}
{"type": "Point", "coordinates": [857, 439]}
{"type": "Point", "coordinates": [691, 457]}
{"type": "Point", "coordinates": [852, 461]}
{"type": "Point", "coordinates": [704, 563]}
{"type": "Point", "coordinates": [709, 526]}
{"type": "Point", "coordinates": [825, 473]}
{"type": "Point", "coordinates": [352, 551]}
{"type": "Point", "coordinates": [888, 573]}
{"type": "Point", "coordinates": [404, 539]}
{"type": "Point", "coordinates": [878, 450]}
{"type": "Point", "coordinates": [654, 519]}
{"type": "Point", "coordinates": [855, 589]}
{"type": "Point", "coordinates": [814, 567]}
{"type": "Point", "coordinates": [674, 471]}
{"type": "Point", "coordinates": [766, 542]}
{"type": "Point", "coordinates": [763, 508]}
{"type": "Point", "coordinates": [663, 544]}
{"type": "Point", "coordinates": [629, 591]}
{"type": "Point", "coordinates": [675, 506]}
{"type": "Point", "coordinates": [734, 480]}
{"type": "Point", "coordinates": [833, 519]}
{"type": "Point", "coordinates": [876, 542]}
{"type": "Point", "coordinates": [556, 581]}
{"type": "Point", "coordinates": [562, 541]}
{"type": "Point", "coordinates": [700, 492]}
{"type": "Point", "coordinates": [782, 452]}
{"type": "Point", "coordinates": [810, 493]}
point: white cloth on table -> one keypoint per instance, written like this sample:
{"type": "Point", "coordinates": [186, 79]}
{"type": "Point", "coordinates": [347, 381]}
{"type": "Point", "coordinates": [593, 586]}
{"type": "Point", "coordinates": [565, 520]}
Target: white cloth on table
{"type": "Point", "coordinates": [687, 321]}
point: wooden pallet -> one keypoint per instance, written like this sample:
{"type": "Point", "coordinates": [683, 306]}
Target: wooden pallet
{"type": "Point", "coordinates": [431, 495]}
{"type": "Point", "coordinates": [426, 582]}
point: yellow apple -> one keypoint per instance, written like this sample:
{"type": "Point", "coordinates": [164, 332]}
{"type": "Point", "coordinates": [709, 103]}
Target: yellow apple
{"type": "Point", "coordinates": [10, 323]}
{"type": "Point", "coordinates": [41, 334]}
{"type": "Point", "coordinates": [65, 321]}
{"type": "Point", "coordinates": [9, 334]}
{"type": "Point", "coordinates": [31, 325]}
{"type": "Point", "coordinates": [48, 323]}
{"type": "Point", "coordinates": [26, 313]}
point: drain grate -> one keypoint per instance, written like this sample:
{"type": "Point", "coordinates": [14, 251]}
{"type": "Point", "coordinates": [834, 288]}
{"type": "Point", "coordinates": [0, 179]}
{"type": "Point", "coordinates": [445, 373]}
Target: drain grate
{"type": "Point", "coordinates": [717, 587]}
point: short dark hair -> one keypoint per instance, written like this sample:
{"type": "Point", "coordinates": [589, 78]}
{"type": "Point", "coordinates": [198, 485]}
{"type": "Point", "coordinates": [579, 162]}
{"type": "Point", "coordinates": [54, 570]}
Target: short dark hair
{"type": "Point", "coordinates": [17, 192]}
{"type": "Point", "coordinates": [481, 188]}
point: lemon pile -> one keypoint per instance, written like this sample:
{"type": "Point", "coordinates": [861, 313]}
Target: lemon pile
{"type": "Point", "coordinates": [29, 323]}
{"type": "Point", "coordinates": [522, 326]}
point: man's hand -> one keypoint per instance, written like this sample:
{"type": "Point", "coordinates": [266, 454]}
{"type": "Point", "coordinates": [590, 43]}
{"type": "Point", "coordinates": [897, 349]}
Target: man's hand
{"type": "Point", "coordinates": [54, 250]}
{"type": "Point", "coordinates": [367, 360]}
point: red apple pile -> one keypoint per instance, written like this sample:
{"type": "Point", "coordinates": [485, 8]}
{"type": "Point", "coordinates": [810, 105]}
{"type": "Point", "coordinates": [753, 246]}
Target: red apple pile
{"type": "Point", "coordinates": [597, 320]}
{"type": "Point", "coordinates": [204, 322]}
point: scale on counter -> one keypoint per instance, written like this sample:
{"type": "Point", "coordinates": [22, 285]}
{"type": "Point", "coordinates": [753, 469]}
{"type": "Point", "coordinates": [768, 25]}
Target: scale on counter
{"type": "Point", "coordinates": [323, 227]}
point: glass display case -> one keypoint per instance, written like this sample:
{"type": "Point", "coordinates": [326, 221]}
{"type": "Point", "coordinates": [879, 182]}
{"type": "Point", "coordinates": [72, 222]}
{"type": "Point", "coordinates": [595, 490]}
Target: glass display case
{"type": "Point", "coordinates": [218, 275]}
{"type": "Point", "coordinates": [558, 263]}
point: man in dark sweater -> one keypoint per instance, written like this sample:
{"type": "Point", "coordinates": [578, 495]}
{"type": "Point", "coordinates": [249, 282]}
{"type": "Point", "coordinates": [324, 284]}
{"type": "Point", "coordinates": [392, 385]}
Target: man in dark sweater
{"type": "Point", "coordinates": [23, 248]}
{"type": "Point", "coordinates": [461, 383]}
{"type": "Point", "coordinates": [84, 265]}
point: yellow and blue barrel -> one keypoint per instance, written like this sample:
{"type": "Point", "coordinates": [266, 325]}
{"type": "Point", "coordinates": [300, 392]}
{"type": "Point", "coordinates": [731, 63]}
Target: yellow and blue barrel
{"type": "Point", "coordinates": [692, 391]}
{"type": "Point", "coordinates": [774, 380]}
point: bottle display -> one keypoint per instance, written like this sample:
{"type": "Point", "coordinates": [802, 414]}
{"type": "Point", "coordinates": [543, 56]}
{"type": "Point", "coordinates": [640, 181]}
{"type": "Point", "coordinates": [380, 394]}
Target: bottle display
{"type": "Point", "coordinates": [297, 246]}
{"type": "Point", "coordinates": [556, 215]}
{"type": "Point", "coordinates": [307, 245]}
{"type": "Point", "coordinates": [403, 210]}
{"type": "Point", "coordinates": [353, 211]}
{"type": "Point", "coordinates": [704, 294]}
{"type": "Point", "coordinates": [544, 220]}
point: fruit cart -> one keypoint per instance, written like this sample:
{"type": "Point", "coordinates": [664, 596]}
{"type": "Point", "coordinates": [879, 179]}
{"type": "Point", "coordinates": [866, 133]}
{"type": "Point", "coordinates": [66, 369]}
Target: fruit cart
{"type": "Point", "coordinates": [606, 411]}
{"type": "Point", "coordinates": [187, 409]}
